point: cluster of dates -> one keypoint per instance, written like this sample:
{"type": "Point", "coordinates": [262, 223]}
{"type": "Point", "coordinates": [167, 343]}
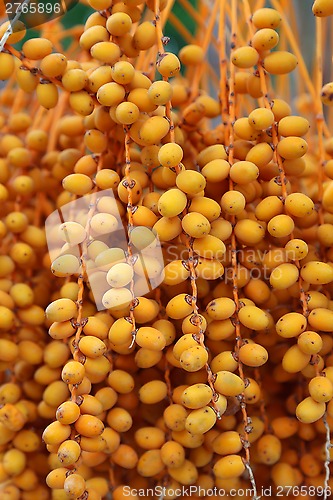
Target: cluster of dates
{"type": "Point", "coordinates": [172, 326]}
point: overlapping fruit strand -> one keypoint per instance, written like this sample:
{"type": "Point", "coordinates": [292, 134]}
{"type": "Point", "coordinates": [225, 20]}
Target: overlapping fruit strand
{"type": "Point", "coordinates": [69, 452]}
{"type": "Point", "coordinates": [190, 262]}
{"type": "Point", "coordinates": [275, 142]}
{"type": "Point", "coordinates": [302, 295]}
{"type": "Point", "coordinates": [257, 376]}
{"type": "Point", "coordinates": [322, 159]}
{"type": "Point", "coordinates": [73, 374]}
{"type": "Point", "coordinates": [165, 480]}
{"type": "Point", "coordinates": [275, 139]}
{"type": "Point", "coordinates": [321, 155]}
{"type": "Point", "coordinates": [23, 286]}
{"type": "Point", "coordinates": [28, 438]}
{"type": "Point", "coordinates": [130, 208]}
{"type": "Point", "coordinates": [75, 484]}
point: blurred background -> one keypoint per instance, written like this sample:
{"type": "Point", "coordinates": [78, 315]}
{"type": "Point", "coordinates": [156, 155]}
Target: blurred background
{"type": "Point", "coordinates": [182, 28]}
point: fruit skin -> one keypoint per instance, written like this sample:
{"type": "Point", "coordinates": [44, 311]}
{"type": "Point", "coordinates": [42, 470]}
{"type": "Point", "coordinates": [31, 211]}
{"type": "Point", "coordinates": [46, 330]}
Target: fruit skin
{"type": "Point", "coordinates": [37, 48]}
{"type": "Point", "coordinates": [191, 54]}
{"type": "Point", "coordinates": [253, 317]}
{"type": "Point", "coordinates": [196, 396]}
{"type": "Point", "coordinates": [310, 342]}
{"type": "Point", "coordinates": [295, 360]}
{"type": "Point", "coordinates": [186, 474]}
{"type": "Point", "coordinates": [293, 125]}
{"type": "Point", "coordinates": [47, 94]}
{"type": "Point", "coordinates": [291, 148]}
{"type": "Point", "coordinates": [170, 155]}
{"type": "Point", "coordinates": [194, 358]}
{"type": "Point", "coordinates": [322, 8]}
{"type": "Point", "coordinates": [291, 325]}
{"type": "Point", "coordinates": [261, 119]}
{"type": "Point", "coordinates": [144, 36]}
{"type": "Point", "coordinates": [284, 276]}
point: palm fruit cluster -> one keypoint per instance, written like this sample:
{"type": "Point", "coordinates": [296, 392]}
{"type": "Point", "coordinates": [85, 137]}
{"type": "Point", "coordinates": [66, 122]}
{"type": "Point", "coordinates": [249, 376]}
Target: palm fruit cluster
{"type": "Point", "coordinates": [222, 375]}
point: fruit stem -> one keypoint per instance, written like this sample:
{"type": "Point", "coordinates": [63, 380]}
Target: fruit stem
{"type": "Point", "coordinates": [130, 225]}
{"type": "Point", "coordinates": [59, 110]}
{"type": "Point", "coordinates": [159, 31]}
{"type": "Point", "coordinates": [18, 102]}
{"type": "Point", "coordinates": [223, 71]}
{"type": "Point", "coordinates": [262, 402]}
{"type": "Point", "coordinates": [252, 481]}
{"type": "Point", "coordinates": [28, 64]}
{"type": "Point", "coordinates": [205, 43]}
{"type": "Point", "coordinates": [181, 29]}
{"type": "Point", "coordinates": [301, 64]}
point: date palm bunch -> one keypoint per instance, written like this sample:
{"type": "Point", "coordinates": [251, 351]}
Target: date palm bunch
{"type": "Point", "coordinates": [166, 249]}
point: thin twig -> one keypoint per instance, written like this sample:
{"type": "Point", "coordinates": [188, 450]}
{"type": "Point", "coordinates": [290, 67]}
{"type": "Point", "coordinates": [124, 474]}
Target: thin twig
{"type": "Point", "coordinates": [234, 260]}
{"type": "Point", "coordinates": [327, 455]}
{"type": "Point", "coordinates": [320, 115]}
{"type": "Point", "coordinates": [252, 481]}
{"type": "Point", "coordinates": [129, 259]}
